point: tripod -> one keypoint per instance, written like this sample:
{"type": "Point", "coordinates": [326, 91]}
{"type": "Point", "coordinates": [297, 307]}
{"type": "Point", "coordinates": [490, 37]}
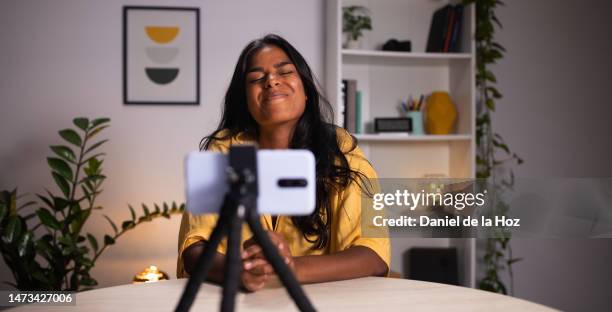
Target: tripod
{"type": "Point", "coordinates": [240, 204]}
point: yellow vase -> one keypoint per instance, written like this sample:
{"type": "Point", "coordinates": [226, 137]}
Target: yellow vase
{"type": "Point", "coordinates": [441, 113]}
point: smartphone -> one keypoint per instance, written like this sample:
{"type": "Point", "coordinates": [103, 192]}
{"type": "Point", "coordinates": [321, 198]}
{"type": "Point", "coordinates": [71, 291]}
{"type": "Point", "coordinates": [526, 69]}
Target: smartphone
{"type": "Point", "coordinates": [286, 182]}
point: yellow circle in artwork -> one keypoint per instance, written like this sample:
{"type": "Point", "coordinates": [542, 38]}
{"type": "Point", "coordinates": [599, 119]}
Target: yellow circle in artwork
{"type": "Point", "coordinates": [162, 34]}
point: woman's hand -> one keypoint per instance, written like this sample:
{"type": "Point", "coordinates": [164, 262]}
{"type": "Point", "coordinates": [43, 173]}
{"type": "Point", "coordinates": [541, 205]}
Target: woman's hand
{"type": "Point", "coordinates": [256, 269]}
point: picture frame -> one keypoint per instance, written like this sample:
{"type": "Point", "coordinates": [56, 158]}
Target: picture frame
{"type": "Point", "coordinates": [161, 55]}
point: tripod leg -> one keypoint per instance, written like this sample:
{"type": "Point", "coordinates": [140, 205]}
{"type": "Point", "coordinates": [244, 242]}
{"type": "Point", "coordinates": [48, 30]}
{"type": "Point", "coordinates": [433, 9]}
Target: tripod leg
{"type": "Point", "coordinates": [280, 267]}
{"type": "Point", "coordinates": [233, 263]}
{"type": "Point", "coordinates": [205, 261]}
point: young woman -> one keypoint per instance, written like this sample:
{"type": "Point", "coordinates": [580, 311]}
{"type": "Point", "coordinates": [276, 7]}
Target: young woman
{"type": "Point", "coordinates": [273, 100]}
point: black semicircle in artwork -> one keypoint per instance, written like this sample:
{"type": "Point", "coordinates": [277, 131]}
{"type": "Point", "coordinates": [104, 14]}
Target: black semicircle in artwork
{"type": "Point", "coordinates": [162, 75]}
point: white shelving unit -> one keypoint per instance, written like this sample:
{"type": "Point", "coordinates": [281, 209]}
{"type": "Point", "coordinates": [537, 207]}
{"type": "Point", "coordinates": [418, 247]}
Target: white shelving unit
{"type": "Point", "coordinates": [385, 78]}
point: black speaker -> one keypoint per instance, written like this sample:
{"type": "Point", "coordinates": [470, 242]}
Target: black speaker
{"type": "Point", "coordinates": [437, 265]}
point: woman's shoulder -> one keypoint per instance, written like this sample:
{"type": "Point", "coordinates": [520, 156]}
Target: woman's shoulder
{"type": "Point", "coordinates": [220, 140]}
{"type": "Point", "coordinates": [357, 162]}
{"type": "Point", "coordinates": [347, 142]}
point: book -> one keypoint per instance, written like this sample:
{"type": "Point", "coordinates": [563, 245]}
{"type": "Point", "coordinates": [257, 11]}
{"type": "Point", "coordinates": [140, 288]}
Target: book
{"type": "Point", "coordinates": [458, 24]}
{"type": "Point", "coordinates": [449, 30]}
{"type": "Point", "coordinates": [358, 113]}
{"type": "Point", "coordinates": [343, 104]}
{"type": "Point", "coordinates": [445, 30]}
{"type": "Point", "coordinates": [349, 109]}
{"type": "Point", "coordinates": [438, 29]}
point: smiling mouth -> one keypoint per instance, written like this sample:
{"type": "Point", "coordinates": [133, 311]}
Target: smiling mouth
{"type": "Point", "coordinates": [275, 96]}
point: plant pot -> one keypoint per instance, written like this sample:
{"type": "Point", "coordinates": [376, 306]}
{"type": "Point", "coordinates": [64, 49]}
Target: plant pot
{"type": "Point", "coordinates": [353, 44]}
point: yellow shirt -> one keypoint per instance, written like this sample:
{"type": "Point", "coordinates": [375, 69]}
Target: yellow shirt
{"type": "Point", "coordinates": [346, 211]}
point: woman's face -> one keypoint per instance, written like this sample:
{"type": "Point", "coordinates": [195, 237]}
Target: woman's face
{"type": "Point", "coordinates": [275, 93]}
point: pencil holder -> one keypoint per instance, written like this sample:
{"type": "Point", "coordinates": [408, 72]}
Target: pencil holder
{"type": "Point", "coordinates": [417, 122]}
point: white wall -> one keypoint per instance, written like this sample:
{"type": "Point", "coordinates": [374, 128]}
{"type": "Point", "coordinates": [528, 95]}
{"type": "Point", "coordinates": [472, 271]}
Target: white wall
{"type": "Point", "coordinates": [556, 80]}
{"type": "Point", "coordinates": [61, 59]}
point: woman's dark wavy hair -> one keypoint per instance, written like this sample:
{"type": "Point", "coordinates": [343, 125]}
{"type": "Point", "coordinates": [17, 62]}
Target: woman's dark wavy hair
{"type": "Point", "coordinates": [314, 131]}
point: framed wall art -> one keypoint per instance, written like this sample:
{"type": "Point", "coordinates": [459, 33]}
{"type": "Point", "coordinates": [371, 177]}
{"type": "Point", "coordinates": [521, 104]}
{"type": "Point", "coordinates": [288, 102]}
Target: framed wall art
{"type": "Point", "coordinates": [161, 55]}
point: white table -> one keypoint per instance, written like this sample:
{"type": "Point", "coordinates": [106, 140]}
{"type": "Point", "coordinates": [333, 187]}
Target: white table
{"type": "Point", "coordinates": [364, 294]}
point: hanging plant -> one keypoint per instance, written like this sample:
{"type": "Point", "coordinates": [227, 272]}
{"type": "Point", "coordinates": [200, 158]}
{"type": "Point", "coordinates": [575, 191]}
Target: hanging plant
{"type": "Point", "coordinates": [498, 252]}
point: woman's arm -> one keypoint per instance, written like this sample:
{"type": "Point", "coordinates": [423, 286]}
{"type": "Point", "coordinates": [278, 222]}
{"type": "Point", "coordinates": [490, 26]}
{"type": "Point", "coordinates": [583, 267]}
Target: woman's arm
{"type": "Point", "coordinates": [357, 261]}
{"type": "Point", "coordinates": [190, 259]}
{"type": "Point", "coordinates": [354, 262]}
{"type": "Point", "coordinates": [251, 280]}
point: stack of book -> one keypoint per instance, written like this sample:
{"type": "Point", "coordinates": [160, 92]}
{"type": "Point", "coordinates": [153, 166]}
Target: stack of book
{"type": "Point", "coordinates": [351, 100]}
{"type": "Point", "coordinates": [445, 31]}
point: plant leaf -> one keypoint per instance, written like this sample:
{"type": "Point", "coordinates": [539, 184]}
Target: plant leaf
{"type": "Point", "coordinates": [93, 158]}
{"type": "Point", "coordinates": [502, 146]}
{"type": "Point", "coordinates": [496, 20]}
{"type": "Point", "coordinates": [145, 209]}
{"type": "Point", "coordinates": [30, 203]}
{"type": "Point", "coordinates": [61, 167]}
{"type": "Point", "coordinates": [88, 281]}
{"type": "Point", "coordinates": [13, 229]}
{"type": "Point", "coordinates": [126, 225]}
{"type": "Point", "coordinates": [108, 240]}
{"type": "Point", "coordinates": [81, 122]}
{"type": "Point", "coordinates": [93, 178]}
{"type": "Point", "coordinates": [99, 121]}
{"type": "Point", "coordinates": [48, 219]}
{"type": "Point", "coordinates": [132, 212]}
{"type": "Point", "coordinates": [79, 220]}
{"type": "Point", "coordinates": [96, 131]}
{"type": "Point", "coordinates": [111, 223]}
{"type": "Point", "coordinates": [59, 203]}
{"type": "Point", "coordinates": [3, 210]}
{"type": "Point", "coordinates": [24, 243]}
{"type": "Point", "coordinates": [498, 46]}
{"type": "Point", "coordinates": [40, 277]}
{"type": "Point", "coordinates": [66, 240]}
{"type": "Point", "coordinates": [96, 145]}
{"type": "Point", "coordinates": [490, 104]}
{"type": "Point", "coordinates": [62, 183]}
{"type": "Point", "coordinates": [4, 205]}
{"type": "Point", "coordinates": [93, 242]}
{"type": "Point", "coordinates": [71, 136]}
{"type": "Point", "coordinates": [64, 152]}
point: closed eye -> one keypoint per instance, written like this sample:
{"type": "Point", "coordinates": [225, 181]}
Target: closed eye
{"type": "Point", "coordinates": [255, 80]}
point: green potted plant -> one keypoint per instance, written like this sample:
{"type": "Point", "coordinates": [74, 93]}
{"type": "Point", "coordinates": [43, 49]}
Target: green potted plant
{"type": "Point", "coordinates": [43, 243]}
{"type": "Point", "coordinates": [355, 19]}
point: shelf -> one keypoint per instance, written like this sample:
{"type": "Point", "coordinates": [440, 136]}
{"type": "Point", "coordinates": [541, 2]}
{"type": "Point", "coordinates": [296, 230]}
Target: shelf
{"type": "Point", "coordinates": [408, 137]}
{"type": "Point", "coordinates": [407, 55]}
{"type": "Point", "coordinates": [386, 77]}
